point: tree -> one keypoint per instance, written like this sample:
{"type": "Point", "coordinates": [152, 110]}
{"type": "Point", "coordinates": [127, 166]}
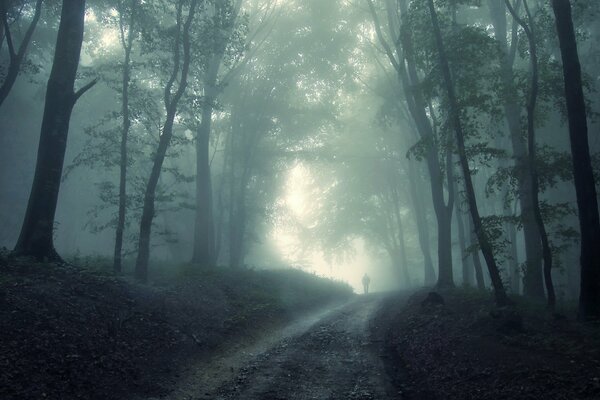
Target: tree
{"type": "Point", "coordinates": [422, 223]}
{"type": "Point", "coordinates": [127, 33]}
{"type": "Point", "coordinates": [16, 56]}
{"type": "Point", "coordinates": [533, 284]}
{"type": "Point", "coordinates": [468, 267]}
{"type": "Point", "coordinates": [225, 18]}
{"type": "Point", "coordinates": [529, 29]}
{"type": "Point", "coordinates": [500, 294]}
{"type": "Point", "coordinates": [36, 238]}
{"type": "Point", "coordinates": [251, 127]}
{"type": "Point", "coordinates": [404, 63]}
{"type": "Point", "coordinates": [179, 74]}
{"type": "Point", "coordinates": [587, 203]}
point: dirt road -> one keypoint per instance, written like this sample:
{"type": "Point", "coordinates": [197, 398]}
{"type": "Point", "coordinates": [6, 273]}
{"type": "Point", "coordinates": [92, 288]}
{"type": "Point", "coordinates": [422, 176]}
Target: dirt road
{"type": "Point", "coordinates": [335, 357]}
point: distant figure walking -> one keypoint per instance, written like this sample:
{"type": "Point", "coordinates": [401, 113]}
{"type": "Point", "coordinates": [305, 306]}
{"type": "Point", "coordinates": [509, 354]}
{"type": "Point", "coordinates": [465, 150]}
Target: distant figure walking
{"type": "Point", "coordinates": [366, 281]}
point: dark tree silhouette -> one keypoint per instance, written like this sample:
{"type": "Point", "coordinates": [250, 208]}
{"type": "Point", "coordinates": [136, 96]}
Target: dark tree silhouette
{"type": "Point", "coordinates": [529, 29]}
{"type": "Point", "coordinates": [587, 203]}
{"type": "Point", "coordinates": [36, 238]}
{"type": "Point", "coordinates": [16, 56]}
{"type": "Point", "coordinates": [127, 33]}
{"type": "Point", "coordinates": [533, 285]}
{"type": "Point", "coordinates": [486, 249]}
{"type": "Point", "coordinates": [181, 69]}
{"type": "Point", "coordinates": [404, 63]}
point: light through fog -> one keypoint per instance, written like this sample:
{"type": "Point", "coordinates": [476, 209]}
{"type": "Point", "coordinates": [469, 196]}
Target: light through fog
{"type": "Point", "coordinates": [319, 156]}
{"type": "Point", "coordinates": [220, 175]}
{"type": "Point", "coordinates": [297, 204]}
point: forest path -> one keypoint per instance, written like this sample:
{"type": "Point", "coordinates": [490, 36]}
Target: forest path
{"type": "Point", "coordinates": [336, 358]}
{"type": "Point", "coordinates": [333, 356]}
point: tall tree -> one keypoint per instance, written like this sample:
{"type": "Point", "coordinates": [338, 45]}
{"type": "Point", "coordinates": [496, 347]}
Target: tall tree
{"type": "Point", "coordinates": [127, 33]}
{"type": "Point", "coordinates": [250, 123]}
{"type": "Point", "coordinates": [16, 56]}
{"type": "Point", "coordinates": [468, 267]}
{"type": "Point", "coordinates": [225, 17]}
{"type": "Point", "coordinates": [529, 29]}
{"type": "Point", "coordinates": [36, 238]}
{"type": "Point", "coordinates": [416, 196]}
{"type": "Point", "coordinates": [587, 203]}
{"type": "Point", "coordinates": [402, 59]}
{"type": "Point", "coordinates": [484, 243]}
{"type": "Point", "coordinates": [179, 74]}
{"type": "Point", "coordinates": [475, 256]}
{"type": "Point", "coordinates": [533, 284]}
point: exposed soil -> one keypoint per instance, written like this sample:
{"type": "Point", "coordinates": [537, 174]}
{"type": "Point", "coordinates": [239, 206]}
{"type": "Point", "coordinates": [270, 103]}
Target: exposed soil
{"type": "Point", "coordinates": [467, 349]}
{"type": "Point", "coordinates": [198, 380]}
{"type": "Point", "coordinates": [67, 333]}
{"type": "Point", "coordinates": [336, 359]}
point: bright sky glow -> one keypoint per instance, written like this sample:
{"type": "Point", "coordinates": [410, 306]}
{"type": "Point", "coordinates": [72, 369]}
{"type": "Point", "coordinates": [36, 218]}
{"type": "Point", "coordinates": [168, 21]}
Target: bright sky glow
{"type": "Point", "coordinates": [297, 202]}
{"type": "Point", "coordinates": [297, 186]}
{"type": "Point", "coordinates": [110, 38]}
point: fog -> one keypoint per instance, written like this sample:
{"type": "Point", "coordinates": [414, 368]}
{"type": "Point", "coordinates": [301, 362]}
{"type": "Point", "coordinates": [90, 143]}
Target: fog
{"type": "Point", "coordinates": [306, 135]}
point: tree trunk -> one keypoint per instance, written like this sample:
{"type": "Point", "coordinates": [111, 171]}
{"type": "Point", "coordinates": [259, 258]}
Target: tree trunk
{"type": "Point", "coordinates": [2, 27]}
{"type": "Point", "coordinates": [400, 227]}
{"type": "Point", "coordinates": [446, 274]}
{"type": "Point", "coordinates": [171, 103]}
{"type": "Point", "coordinates": [467, 264]}
{"type": "Point", "coordinates": [587, 203]}
{"type": "Point", "coordinates": [16, 56]}
{"type": "Point", "coordinates": [533, 283]}
{"type": "Point", "coordinates": [500, 294]}
{"type": "Point", "coordinates": [513, 263]}
{"type": "Point", "coordinates": [531, 107]}
{"type": "Point", "coordinates": [204, 252]}
{"type": "Point", "coordinates": [414, 98]}
{"type": "Point", "coordinates": [403, 257]}
{"type": "Point", "coordinates": [410, 79]}
{"type": "Point", "coordinates": [475, 257]}
{"type": "Point", "coordinates": [238, 226]}
{"type": "Point", "coordinates": [220, 203]}
{"type": "Point", "coordinates": [36, 238]}
{"type": "Point", "coordinates": [422, 226]}
{"type": "Point", "coordinates": [127, 43]}
{"type": "Point", "coordinates": [204, 232]}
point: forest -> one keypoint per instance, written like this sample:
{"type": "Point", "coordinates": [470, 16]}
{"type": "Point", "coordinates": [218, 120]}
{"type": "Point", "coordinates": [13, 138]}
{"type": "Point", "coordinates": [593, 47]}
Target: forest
{"type": "Point", "coordinates": [299, 199]}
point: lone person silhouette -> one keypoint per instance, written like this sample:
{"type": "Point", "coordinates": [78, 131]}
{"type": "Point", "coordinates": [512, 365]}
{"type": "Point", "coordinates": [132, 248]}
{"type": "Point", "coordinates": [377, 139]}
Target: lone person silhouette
{"type": "Point", "coordinates": [366, 281]}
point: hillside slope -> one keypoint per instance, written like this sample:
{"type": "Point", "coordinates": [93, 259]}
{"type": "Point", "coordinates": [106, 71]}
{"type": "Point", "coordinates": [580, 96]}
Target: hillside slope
{"type": "Point", "coordinates": [466, 348]}
{"type": "Point", "coordinates": [70, 333]}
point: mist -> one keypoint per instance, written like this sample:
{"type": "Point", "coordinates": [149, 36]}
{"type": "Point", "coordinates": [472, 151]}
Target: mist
{"type": "Point", "coordinates": [286, 158]}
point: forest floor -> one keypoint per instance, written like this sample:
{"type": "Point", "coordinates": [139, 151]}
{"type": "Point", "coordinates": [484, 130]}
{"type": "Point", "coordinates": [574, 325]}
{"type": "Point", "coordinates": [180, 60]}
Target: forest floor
{"type": "Point", "coordinates": [74, 333]}
{"type": "Point", "coordinates": [467, 349]}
